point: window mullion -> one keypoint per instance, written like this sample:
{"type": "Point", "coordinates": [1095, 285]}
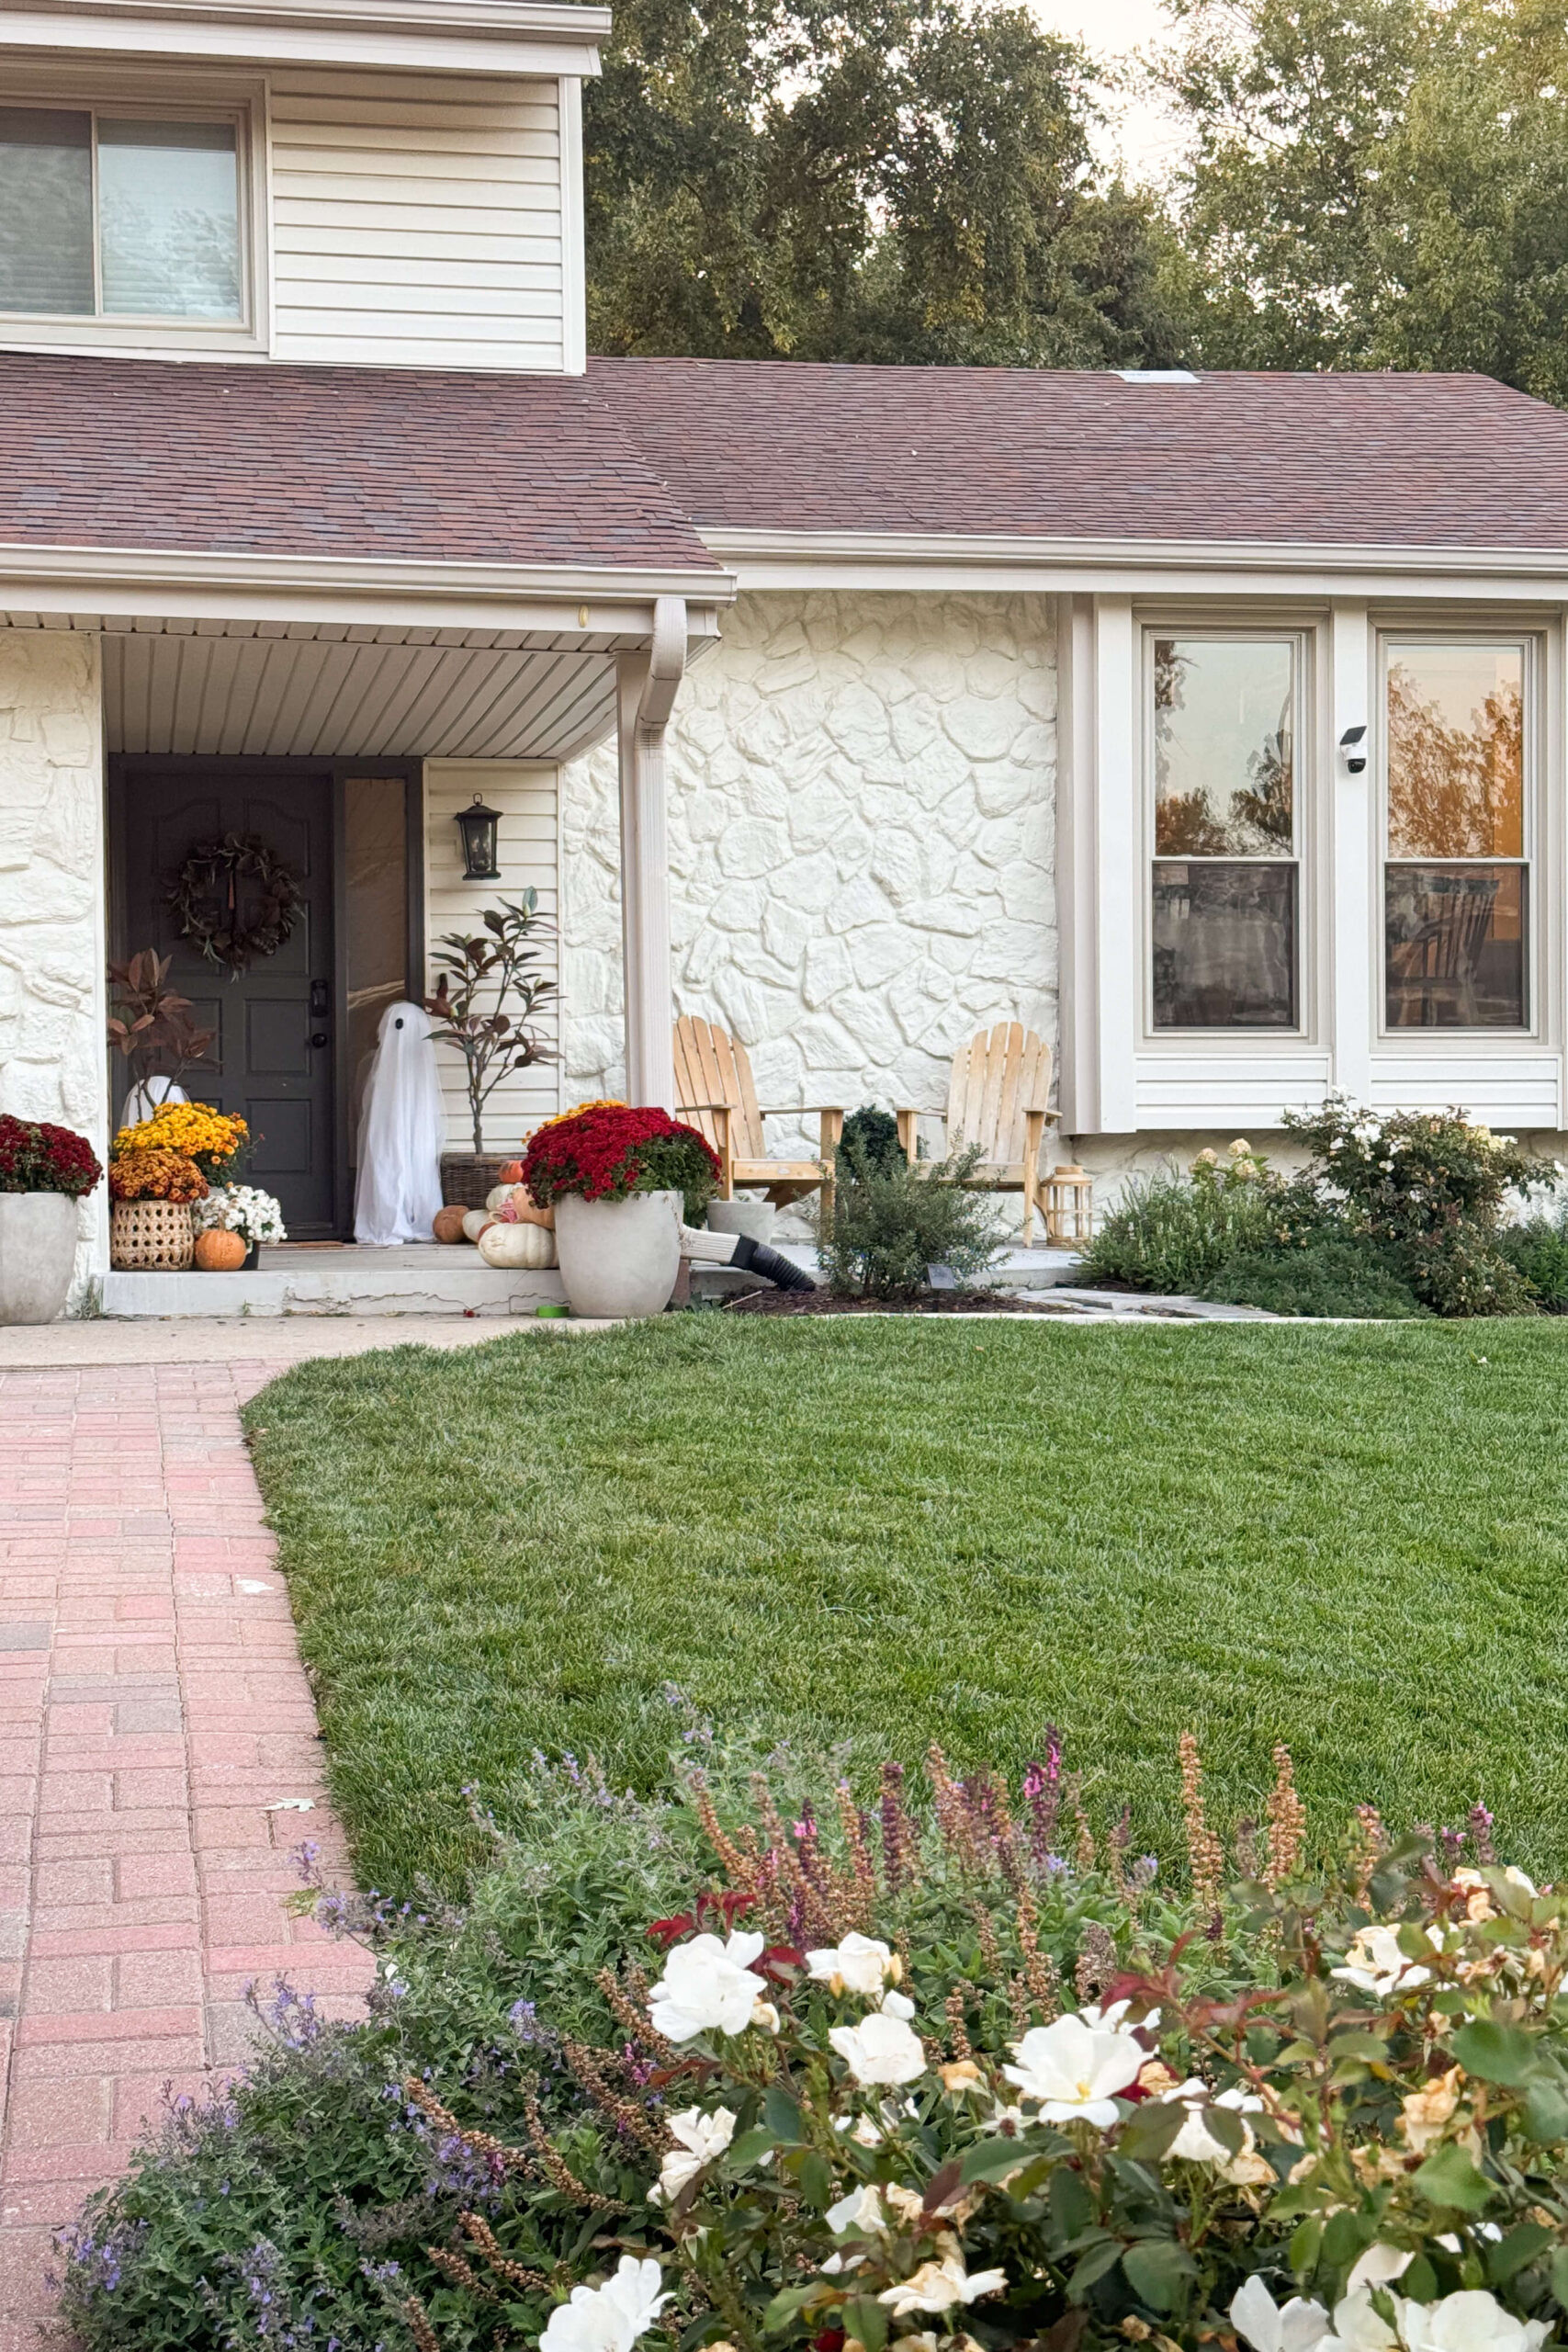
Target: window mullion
{"type": "Point", "coordinates": [97, 242]}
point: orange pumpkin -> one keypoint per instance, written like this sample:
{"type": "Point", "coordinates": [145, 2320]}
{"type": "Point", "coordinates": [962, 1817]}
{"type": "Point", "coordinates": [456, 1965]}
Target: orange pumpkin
{"type": "Point", "coordinates": [510, 1172]}
{"type": "Point", "coordinates": [218, 1252]}
{"type": "Point", "coordinates": [448, 1225]}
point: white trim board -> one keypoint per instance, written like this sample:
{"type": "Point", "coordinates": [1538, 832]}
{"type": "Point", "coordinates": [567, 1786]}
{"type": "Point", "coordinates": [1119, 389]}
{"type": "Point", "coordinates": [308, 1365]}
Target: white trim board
{"type": "Point", "coordinates": [417, 42]}
{"type": "Point", "coordinates": [954, 562]}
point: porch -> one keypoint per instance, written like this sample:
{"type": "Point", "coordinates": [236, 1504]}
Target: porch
{"type": "Point", "coordinates": [348, 730]}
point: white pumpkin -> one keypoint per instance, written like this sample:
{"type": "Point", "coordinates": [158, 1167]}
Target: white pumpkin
{"type": "Point", "coordinates": [475, 1223]}
{"type": "Point", "coordinates": [528, 1246]}
{"type": "Point", "coordinates": [498, 1198]}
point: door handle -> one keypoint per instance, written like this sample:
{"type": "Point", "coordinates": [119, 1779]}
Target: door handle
{"type": "Point", "coordinates": [321, 1039]}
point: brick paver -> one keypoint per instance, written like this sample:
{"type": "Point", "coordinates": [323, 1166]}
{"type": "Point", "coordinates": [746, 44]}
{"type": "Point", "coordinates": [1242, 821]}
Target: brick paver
{"type": "Point", "coordinates": [153, 1716]}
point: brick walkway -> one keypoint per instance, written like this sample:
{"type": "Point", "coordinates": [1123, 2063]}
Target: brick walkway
{"type": "Point", "coordinates": [154, 1713]}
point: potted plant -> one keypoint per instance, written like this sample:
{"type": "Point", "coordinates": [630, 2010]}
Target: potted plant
{"type": "Point", "coordinates": [241, 1217]}
{"type": "Point", "coordinates": [150, 1028]}
{"type": "Point", "coordinates": [44, 1171]}
{"type": "Point", "coordinates": [486, 993]}
{"type": "Point", "coordinates": [620, 1182]}
{"type": "Point", "coordinates": [158, 1170]}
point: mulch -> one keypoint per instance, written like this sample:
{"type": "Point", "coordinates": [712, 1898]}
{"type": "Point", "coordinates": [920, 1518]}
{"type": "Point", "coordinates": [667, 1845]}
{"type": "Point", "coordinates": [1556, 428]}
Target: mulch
{"type": "Point", "coordinates": [930, 1302]}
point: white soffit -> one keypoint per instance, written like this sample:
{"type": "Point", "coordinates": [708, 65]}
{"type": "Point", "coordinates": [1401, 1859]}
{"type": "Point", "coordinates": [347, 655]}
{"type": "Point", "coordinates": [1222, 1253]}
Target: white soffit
{"type": "Point", "coordinates": [471, 36]}
{"type": "Point", "coordinates": [271, 695]}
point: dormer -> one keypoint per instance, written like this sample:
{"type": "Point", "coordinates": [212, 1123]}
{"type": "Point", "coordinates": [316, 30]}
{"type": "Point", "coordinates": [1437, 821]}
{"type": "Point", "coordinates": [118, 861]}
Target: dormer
{"type": "Point", "coordinates": [376, 183]}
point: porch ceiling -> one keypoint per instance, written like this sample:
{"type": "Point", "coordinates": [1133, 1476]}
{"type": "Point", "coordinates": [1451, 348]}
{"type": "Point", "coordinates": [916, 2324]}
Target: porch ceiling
{"type": "Point", "coordinates": [331, 690]}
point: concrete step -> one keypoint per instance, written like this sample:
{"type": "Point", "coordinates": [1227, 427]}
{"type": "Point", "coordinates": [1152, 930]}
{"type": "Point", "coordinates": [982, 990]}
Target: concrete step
{"type": "Point", "coordinates": [419, 1279]}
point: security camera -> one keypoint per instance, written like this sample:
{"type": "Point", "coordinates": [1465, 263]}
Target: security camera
{"type": "Point", "coordinates": [1351, 744]}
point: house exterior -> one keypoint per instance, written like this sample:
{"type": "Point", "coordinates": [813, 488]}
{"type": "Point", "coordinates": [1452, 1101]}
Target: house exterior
{"type": "Point", "coordinates": [1211, 724]}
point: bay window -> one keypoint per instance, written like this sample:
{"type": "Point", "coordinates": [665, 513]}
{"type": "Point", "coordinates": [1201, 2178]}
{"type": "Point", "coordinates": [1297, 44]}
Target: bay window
{"type": "Point", "coordinates": [1222, 714]}
{"type": "Point", "coordinates": [117, 215]}
{"type": "Point", "coordinates": [1456, 875]}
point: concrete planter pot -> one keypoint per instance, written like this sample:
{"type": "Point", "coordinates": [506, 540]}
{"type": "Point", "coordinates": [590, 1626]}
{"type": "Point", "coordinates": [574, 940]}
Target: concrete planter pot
{"type": "Point", "coordinates": [619, 1257]}
{"type": "Point", "coordinates": [755, 1219]}
{"type": "Point", "coordinates": [38, 1253]}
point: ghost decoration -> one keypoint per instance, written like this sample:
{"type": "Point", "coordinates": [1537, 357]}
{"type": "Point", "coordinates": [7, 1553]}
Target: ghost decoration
{"type": "Point", "coordinates": [401, 1130]}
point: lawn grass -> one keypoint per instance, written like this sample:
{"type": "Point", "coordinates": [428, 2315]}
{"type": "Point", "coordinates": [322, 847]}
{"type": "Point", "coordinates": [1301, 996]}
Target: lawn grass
{"type": "Point", "coordinates": [886, 1531]}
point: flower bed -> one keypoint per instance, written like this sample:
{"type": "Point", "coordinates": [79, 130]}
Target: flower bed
{"type": "Point", "coordinates": [947, 2071]}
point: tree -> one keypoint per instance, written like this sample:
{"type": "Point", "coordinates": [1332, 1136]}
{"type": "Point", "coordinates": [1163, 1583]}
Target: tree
{"type": "Point", "coordinates": [901, 180]}
{"type": "Point", "coordinates": [1381, 184]}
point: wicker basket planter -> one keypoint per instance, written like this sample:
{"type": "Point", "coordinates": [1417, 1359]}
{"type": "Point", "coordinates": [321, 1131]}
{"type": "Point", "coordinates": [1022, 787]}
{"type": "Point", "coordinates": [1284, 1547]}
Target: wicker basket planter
{"type": "Point", "coordinates": [468, 1178]}
{"type": "Point", "coordinates": [152, 1237]}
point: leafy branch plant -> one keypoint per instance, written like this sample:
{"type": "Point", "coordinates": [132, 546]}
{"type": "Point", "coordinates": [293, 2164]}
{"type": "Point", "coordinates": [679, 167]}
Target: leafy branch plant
{"type": "Point", "coordinates": [487, 991]}
{"type": "Point", "coordinates": [150, 1023]}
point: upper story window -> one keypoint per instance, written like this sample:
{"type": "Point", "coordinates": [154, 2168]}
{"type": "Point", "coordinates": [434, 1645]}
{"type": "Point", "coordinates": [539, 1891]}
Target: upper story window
{"type": "Point", "coordinates": [1456, 872]}
{"type": "Point", "coordinates": [1223, 728]}
{"type": "Point", "coordinates": [119, 215]}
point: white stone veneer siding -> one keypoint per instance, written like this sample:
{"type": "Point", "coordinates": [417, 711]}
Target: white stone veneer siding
{"type": "Point", "coordinates": [861, 843]}
{"type": "Point", "coordinates": [52, 897]}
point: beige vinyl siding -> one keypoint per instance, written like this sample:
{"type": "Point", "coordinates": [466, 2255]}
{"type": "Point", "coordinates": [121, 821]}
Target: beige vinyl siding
{"type": "Point", "coordinates": [526, 796]}
{"type": "Point", "coordinates": [416, 224]}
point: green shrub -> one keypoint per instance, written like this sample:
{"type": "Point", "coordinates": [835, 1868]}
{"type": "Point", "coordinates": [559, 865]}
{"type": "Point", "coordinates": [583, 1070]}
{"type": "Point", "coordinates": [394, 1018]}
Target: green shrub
{"type": "Point", "coordinates": [1537, 1249]}
{"type": "Point", "coordinates": [871, 1137]}
{"type": "Point", "coordinates": [960, 2063]}
{"type": "Point", "coordinates": [1327, 1275]}
{"type": "Point", "coordinates": [891, 1223]}
{"type": "Point", "coordinates": [1170, 1232]}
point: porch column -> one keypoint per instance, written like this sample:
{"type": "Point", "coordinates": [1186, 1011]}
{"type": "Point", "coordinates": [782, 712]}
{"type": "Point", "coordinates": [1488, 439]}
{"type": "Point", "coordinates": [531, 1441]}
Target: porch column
{"type": "Point", "coordinates": [647, 684]}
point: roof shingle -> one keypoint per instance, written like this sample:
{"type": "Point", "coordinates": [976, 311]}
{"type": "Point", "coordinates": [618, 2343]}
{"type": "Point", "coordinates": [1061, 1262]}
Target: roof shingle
{"type": "Point", "coordinates": [1412, 461]}
{"type": "Point", "coordinates": [377, 464]}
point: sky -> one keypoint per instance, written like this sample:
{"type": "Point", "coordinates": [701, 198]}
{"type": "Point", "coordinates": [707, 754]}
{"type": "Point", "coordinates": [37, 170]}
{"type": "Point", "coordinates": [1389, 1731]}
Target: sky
{"type": "Point", "coordinates": [1143, 133]}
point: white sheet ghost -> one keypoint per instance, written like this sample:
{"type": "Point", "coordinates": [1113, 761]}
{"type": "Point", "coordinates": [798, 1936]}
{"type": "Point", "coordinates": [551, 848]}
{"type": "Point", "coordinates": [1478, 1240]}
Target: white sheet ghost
{"type": "Point", "coordinates": [401, 1130]}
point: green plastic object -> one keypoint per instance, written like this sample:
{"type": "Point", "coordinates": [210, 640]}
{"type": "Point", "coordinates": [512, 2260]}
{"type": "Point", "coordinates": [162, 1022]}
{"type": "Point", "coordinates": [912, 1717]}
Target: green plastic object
{"type": "Point", "coordinates": [548, 1308]}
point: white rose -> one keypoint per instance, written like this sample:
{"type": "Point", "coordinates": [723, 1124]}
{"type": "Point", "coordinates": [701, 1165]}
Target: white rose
{"type": "Point", "coordinates": [702, 2138]}
{"type": "Point", "coordinates": [1473, 2321]}
{"type": "Point", "coordinates": [859, 1965]}
{"type": "Point", "coordinates": [880, 2049]}
{"type": "Point", "coordinates": [1075, 2070]}
{"type": "Point", "coordinates": [1296, 2326]}
{"type": "Point", "coordinates": [1376, 1963]}
{"type": "Point", "coordinates": [1195, 2141]}
{"type": "Point", "coordinates": [937, 2286]}
{"type": "Point", "coordinates": [708, 1987]}
{"type": "Point", "coordinates": [860, 2210]}
{"type": "Point", "coordinates": [609, 2318]}
{"type": "Point", "coordinates": [1377, 2267]}
{"type": "Point", "coordinates": [1357, 2326]}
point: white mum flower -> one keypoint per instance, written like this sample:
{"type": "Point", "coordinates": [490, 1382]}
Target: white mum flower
{"type": "Point", "coordinates": [1075, 2070]}
{"type": "Point", "coordinates": [1471, 2321]}
{"type": "Point", "coordinates": [880, 2048]}
{"type": "Point", "coordinates": [702, 2138]}
{"type": "Point", "coordinates": [609, 2318]}
{"type": "Point", "coordinates": [858, 1964]}
{"type": "Point", "coordinates": [1295, 2326]}
{"type": "Point", "coordinates": [708, 1987]}
{"type": "Point", "coordinates": [1376, 1963]}
{"type": "Point", "coordinates": [937, 2286]}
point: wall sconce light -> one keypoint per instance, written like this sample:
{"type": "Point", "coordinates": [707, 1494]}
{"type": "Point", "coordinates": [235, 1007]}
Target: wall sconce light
{"type": "Point", "coordinates": [482, 857]}
{"type": "Point", "coordinates": [1352, 744]}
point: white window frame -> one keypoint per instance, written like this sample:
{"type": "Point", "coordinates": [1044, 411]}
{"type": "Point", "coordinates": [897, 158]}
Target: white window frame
{"type": "Point", "coordinates": [173, 100]}
{"type": "Point", "coordinates": [1531, 641]}
{"type": "Point", "coordinates": [1266, 629]}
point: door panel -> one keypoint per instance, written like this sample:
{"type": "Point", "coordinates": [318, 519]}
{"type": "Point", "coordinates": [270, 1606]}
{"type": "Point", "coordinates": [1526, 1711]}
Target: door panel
{"type": "Point", "coordinates": [266, 1061]}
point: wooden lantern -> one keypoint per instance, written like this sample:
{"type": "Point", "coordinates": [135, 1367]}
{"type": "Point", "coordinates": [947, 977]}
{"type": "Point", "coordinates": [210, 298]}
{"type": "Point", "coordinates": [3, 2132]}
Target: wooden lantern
{"type": "Point", "coordinates": [1067, 1198]}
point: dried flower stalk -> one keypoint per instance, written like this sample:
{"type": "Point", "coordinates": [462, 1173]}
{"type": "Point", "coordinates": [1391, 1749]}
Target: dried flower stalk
{"type": "Point", "coordinates": [1204, 1854]}
{"type": "Point", "coordinates": [1287, 1822]}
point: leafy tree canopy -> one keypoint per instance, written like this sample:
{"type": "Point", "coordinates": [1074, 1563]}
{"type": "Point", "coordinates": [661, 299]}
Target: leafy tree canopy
{"type": "Point", "coordinates": [861, 179]}
{"type": "Point", "coordinates": [1375, 183]}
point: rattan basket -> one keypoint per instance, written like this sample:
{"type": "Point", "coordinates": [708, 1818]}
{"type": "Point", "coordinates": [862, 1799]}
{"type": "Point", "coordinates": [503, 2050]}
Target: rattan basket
{"type": "Point", "coordinates": [468, 1179]}
{"type": "Point", "coordinates": [152, 1237]}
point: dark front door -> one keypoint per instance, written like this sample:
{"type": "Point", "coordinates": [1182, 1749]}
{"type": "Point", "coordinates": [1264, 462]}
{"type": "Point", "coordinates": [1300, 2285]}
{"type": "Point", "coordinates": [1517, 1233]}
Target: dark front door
{"type": "Point", "coordinates": [272, 1060]}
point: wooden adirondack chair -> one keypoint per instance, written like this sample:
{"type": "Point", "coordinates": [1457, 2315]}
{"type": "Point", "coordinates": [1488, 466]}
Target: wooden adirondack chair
{"type": "Point", "coordinates": [996, 1098]}
{"type": "Point", "coordinates": [715, 1092]}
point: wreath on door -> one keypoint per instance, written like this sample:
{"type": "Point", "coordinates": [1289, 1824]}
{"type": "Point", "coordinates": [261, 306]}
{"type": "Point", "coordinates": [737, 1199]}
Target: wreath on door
{"type": "Point", "coordinates": [235, 902]}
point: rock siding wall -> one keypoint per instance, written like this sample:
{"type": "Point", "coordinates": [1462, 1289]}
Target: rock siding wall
{"type": "Point", "coordinates": [862, 820]}
{"type": "Point", "coordinates": [52, 896]}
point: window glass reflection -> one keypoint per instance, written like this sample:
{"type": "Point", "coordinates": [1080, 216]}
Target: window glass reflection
{"type": "Point", "coordinates": [169, 218]}
{"type": "Point", "coordinates": [1225, 946]}
{"type": "Point", "coordinates": [1456, 764]}
{"type": "Point", "coordinates": [46, 210]}
{"type": "Point", "coordinates": [1224, 780]}
{"type": "Point", "coordinates": [1456, 940]}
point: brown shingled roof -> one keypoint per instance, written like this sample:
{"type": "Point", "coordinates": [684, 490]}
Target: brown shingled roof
{"type": "Point", "coordinates": [374, 463]}
{"type": "Point", "coordinates": [1418, 461]}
